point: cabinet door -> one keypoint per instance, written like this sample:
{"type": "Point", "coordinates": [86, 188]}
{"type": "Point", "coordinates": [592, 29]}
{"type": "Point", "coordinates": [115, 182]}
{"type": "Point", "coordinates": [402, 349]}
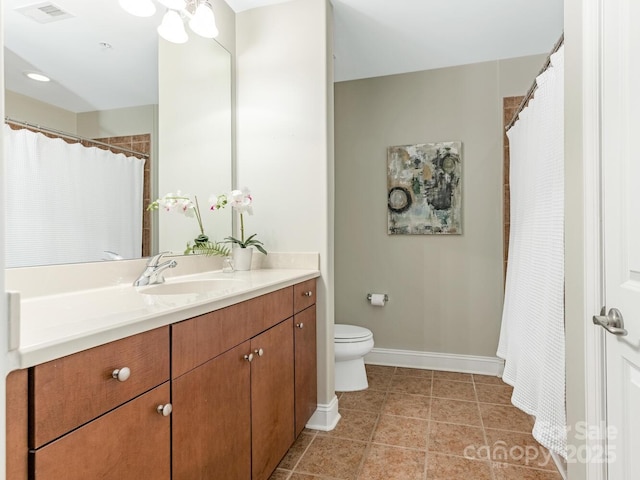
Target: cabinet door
{"type": "Point", "coordinates": [130, 442]}
{"type": "Point", "coordinates": [306, 388]}
{"type": "Point", "coordinates": [272, 403]}
{"type": "Point", "coordinates": [212, 419]}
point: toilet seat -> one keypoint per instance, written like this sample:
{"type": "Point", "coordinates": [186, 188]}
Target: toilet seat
{"type": "Point", "coordinates": [351, 334]}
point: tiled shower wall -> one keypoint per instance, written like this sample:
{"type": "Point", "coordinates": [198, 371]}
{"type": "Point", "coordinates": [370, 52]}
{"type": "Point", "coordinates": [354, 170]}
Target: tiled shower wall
{"type": "Point", "coordinates": [510, 106]}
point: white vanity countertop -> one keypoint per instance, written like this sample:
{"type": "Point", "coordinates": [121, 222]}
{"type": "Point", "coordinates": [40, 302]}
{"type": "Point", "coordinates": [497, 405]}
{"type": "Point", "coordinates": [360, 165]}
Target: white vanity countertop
{"type": "Point", "coordinates": [57, 325]}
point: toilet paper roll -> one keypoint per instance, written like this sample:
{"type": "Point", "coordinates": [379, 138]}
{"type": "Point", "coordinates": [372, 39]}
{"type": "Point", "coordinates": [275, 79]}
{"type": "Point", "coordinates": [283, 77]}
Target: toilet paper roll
{"type": "Point", "coordinates": [377, 299]}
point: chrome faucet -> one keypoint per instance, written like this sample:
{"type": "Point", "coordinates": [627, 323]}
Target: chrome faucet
{"type": "Point", "coordinates": [153, 272]}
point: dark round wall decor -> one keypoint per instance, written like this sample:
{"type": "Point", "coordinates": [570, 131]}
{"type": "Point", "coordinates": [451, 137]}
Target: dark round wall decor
{"type": "Point", "coordinates": [399, 199]}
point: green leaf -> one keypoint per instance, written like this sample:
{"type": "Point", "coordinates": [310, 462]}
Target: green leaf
{"type": "Point", "coordinates": [248, 240]}
{"type": "Point", "coordinates": [208, 249]}
{"type": "Point", "coordinates": [233, 240]}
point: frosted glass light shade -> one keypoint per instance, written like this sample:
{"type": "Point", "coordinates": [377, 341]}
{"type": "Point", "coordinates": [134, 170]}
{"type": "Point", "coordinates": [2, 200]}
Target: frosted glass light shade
{"type": "Point", "coordinates": [203, 21]}
{"type": "Point", "coordinates": [139, 8]}
{"type": "Point", "coordinates": [174, 4]}
{"type": "Point", "coordinates": [172, 28]}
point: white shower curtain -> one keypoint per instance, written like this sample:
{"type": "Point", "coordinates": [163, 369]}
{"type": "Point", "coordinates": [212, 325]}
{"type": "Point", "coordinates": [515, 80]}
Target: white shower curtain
{"type": "Point", "coordinates": [68, 203]}
{"type": "Point", "coordinates": [532, 338]}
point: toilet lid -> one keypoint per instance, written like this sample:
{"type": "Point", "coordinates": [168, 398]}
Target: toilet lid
{"type": "Point", "coordinates": [351, 333]}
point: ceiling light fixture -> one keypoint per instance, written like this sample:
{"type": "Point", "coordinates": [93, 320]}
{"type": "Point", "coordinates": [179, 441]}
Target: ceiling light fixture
{"type": "Point", "coordinates": [39, 77]}
{"type": "Point", "coordinates": [203, 22]}
{"type": "Point", "coordinates": [172, 28]}
{"type": "Point", "coordinates": [199, 14]}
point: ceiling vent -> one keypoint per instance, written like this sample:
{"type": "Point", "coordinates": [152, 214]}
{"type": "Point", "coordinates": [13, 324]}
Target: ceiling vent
{"type": "Point", "coordinates": [45, 12]}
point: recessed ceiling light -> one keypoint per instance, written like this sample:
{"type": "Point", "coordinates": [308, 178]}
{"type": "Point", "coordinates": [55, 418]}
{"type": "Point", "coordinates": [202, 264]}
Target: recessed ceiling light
{"type": "Point", "coordinates": [38, 77]}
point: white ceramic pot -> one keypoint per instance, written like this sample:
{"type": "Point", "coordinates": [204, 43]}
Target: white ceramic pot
{"type": "Point", "coordinates": [242, 258]}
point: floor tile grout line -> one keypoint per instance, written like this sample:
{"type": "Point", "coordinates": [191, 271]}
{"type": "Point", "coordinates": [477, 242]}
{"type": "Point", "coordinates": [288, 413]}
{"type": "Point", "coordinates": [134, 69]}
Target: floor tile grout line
{"type": "Point", "coordinates": [484, 434]}
{"type": "Point", "coordinates": [368, 447]}
{"type": "Point", "coordinates": [295, 465]}
{"type": "Point", "coordinates": [400, 447]}
{"type": "Point", "coordinates": [425, 472]}
{"type": "Point", "coordinates": [371, 435]}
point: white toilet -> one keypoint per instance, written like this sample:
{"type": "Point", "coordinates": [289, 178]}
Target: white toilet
{"type": "Point", "coordinates": [351, 344]}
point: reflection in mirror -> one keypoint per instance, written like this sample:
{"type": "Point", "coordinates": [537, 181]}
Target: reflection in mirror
{"type": "Point", "coordinates": [104, 85]}
{"type": "Point", "coordinates": [194, 137]}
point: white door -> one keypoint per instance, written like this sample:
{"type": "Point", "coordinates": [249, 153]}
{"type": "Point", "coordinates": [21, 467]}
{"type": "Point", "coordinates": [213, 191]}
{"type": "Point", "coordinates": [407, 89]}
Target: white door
{"type": "Point", "coordinates": [621, 197]}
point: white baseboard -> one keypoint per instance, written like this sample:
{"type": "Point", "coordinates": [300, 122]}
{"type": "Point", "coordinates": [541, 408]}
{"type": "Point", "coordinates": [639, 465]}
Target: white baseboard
{"type": "Point", "coordinates": [326, 416]}
{"type": "Point", "coordinates": [436, 361]}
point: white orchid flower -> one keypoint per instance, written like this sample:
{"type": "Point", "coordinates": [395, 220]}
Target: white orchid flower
{"type": "Point", "coordinates": [241, 200]}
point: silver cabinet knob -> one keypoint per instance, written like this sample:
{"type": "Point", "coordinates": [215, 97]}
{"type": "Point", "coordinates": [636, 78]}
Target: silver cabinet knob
{"type": "Point", "coordinates": [300, 325]}
{"type": "Point", "coordinates": [259, 352]}
{"type": "Point", "coordinates": [308, 293]}
{"type": "Point", "coordinates": [121, 374]}
{"type": "Point", "coordinates": [164, 410]}
{"type": "Point", "coordinates": [249, 357]}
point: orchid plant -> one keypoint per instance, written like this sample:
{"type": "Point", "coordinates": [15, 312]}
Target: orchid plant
{"type": "Point", "coordinates": [183, 204]}
{"type": "Point", "coordinates": [241, 201]}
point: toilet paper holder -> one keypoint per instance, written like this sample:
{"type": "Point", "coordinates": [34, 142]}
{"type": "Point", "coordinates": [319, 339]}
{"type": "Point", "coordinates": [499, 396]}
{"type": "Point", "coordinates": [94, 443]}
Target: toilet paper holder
{"type": "Point", "coordinates": [386, 297]}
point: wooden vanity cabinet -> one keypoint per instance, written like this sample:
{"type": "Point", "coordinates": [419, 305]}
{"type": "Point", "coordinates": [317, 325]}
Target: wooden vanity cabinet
{"type": "Point", "coordinates": [75, 389]}
{"type": "Point", "coordinates": [241, 382]}
{"type": "Point", "coordinates": [306, 375]}
{"type": "Point", "coordinates": [17, 425]}
{"type": "Point", "coordinates": [129, 443]}
{"type": "Point", "coordinates": [234, 414]}
{"type": "Point", "coordinates": [212, 419]}
{"type": "Point", "coordinates": [272, 398]}
{"type": "Point", "coordinates": [98, 413]}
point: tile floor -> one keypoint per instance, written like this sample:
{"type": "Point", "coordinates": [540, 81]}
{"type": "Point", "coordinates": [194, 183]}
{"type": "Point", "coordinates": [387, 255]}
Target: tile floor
{"type": "Point", "coordinates": [422, 425]}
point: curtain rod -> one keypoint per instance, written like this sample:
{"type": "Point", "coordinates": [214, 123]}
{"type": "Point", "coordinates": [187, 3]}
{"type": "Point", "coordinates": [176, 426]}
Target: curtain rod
{"type": "Point", "coordinates": [62, 134]}
{"type": "Point", "coordinates": [534, 85]}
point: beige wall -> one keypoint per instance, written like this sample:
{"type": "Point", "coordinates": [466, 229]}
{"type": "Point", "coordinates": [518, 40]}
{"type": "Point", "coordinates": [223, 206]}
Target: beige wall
{"type": "Point", "coordinates": [118, 122]}
{"type": "Point", "coordinates": [26, 109]}
{"type": "Point", "coordinates": [283, 109]}
{"type": "Point", "coordinates": [445, 291]}
{"type": "Point", "coordinates": [97, 124]}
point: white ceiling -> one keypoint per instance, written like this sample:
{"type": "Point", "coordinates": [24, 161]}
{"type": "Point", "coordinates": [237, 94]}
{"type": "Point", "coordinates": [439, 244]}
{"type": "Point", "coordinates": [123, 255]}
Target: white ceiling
{"type": "Point", "coordinates": [372, 38]}
{"type": "Point", "coordinates": [85, 76]}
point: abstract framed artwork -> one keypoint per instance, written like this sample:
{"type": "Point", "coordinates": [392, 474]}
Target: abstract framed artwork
{"type": "Point", "coordinates": [424, 189]}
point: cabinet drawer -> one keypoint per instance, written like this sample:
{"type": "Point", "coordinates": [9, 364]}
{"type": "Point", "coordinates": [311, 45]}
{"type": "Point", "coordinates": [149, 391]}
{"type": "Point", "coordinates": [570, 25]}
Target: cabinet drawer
{"type": "Point", "coordinates": [198, 340]}
{"type": "Point", "coordinates": [272, 309]}
{"type": "Point", "coordinates": [131, 442]}
{"type": "Point", "coordinates": [304, 295]}
{"type": "Point", "coordinates": [73, 390]}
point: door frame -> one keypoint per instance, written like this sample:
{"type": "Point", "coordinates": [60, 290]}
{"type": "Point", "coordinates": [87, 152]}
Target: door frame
{"type": "Point", "coordinates": [594, 284]}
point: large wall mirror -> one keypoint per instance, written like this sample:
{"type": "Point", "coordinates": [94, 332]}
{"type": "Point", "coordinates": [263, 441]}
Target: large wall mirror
{"type": "Point", "coordinates": [114, 79]}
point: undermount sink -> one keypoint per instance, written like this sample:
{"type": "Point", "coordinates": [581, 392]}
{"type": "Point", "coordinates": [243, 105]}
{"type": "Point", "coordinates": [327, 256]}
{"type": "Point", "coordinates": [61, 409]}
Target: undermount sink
{"type": "Point", "coordinates": [190, 287]}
